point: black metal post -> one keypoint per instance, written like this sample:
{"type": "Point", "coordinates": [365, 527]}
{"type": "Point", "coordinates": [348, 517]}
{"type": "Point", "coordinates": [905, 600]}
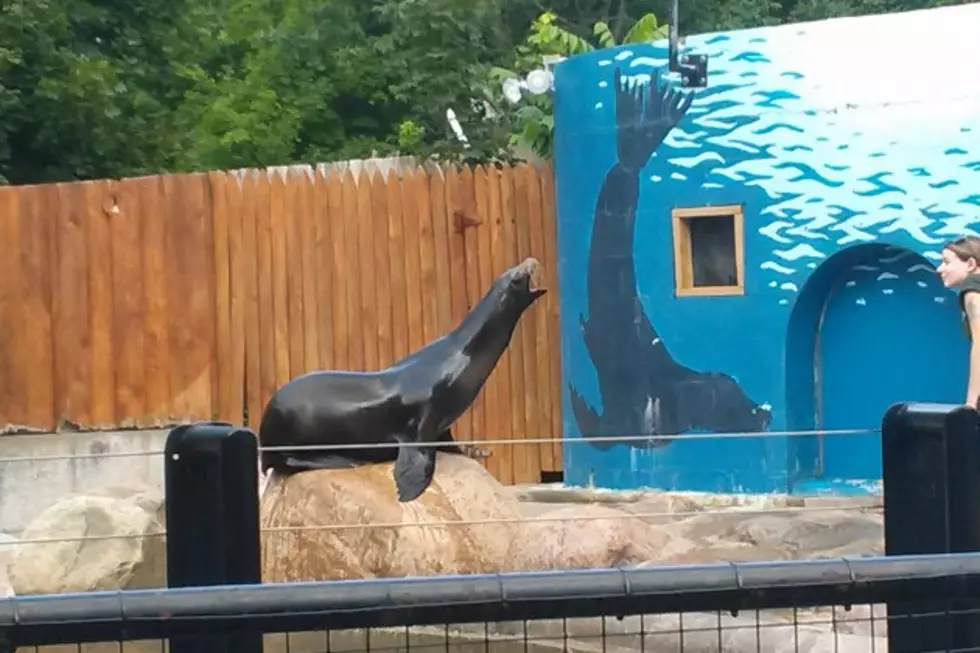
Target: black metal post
{"type": "Point", "coordinates": [212, 509]}
{"type": "Point", "coordinates": [931, 478]}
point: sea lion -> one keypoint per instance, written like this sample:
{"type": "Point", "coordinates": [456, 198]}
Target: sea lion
{"type": "Point", "coordinates": [645, 391]}
{"type": "Point", "coordinates": [416, 400]}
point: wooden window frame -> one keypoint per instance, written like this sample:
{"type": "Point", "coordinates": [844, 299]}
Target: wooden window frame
{"type": "Point", "coordinates": [683, 261]}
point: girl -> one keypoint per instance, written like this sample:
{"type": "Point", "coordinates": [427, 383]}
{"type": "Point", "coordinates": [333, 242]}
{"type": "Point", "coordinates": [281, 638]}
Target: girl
{"type": "Point", "coordinates": [960, 268]}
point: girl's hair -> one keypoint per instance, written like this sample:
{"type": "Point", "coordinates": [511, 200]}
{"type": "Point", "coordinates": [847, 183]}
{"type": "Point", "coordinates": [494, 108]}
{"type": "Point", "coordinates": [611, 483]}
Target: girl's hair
{"type": "Point", "coordinates": [965, 248]}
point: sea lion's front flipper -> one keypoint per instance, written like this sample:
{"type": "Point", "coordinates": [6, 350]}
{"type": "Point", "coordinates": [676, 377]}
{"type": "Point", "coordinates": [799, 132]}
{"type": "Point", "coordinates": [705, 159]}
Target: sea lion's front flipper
{"type": "Point", "coordinates": [318, 461]}
{"type": "Point", "coordinates": [413, 471]}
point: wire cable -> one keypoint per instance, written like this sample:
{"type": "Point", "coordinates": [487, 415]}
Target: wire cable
{"type": "Point", "coordinates": [746, 512]}
{"type": "Point", "coordinates": [618, 439]}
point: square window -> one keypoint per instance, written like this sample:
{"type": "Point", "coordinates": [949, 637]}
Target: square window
{"type": "Point", "coordinates": [708, 251]}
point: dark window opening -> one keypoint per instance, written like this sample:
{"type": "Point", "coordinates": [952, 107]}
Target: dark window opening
{"type": "Point", "coordinates": [713, 251]}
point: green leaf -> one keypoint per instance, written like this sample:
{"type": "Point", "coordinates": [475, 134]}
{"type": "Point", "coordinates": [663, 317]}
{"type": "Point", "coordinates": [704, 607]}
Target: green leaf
{"type": "Point", "coordinates": [604, 34]}
{"type": "Point", "coordinates": [645, 30]}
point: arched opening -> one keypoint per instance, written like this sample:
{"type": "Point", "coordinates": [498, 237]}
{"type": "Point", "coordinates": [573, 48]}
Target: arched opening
{"type": "Point", "coordinates": [871, 327]}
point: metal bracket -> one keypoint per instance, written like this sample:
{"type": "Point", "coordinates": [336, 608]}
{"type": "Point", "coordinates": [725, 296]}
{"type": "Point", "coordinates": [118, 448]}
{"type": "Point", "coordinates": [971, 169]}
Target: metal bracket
{"type": "Point", "coordinates": [693, 68]}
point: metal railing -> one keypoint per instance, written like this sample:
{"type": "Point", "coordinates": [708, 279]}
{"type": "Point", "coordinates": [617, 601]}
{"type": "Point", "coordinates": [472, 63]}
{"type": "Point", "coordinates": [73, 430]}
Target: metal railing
{"type": "Point", "coordinates": [722, 607]}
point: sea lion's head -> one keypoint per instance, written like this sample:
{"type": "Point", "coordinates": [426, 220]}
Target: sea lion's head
{"type": "Point", "coordinates": [520, 284]}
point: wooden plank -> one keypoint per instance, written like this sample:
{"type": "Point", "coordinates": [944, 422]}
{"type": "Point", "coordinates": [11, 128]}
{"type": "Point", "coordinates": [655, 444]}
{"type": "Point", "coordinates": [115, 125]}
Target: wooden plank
{"type": "Point", "coordinates": [400, 221]}
{"type": "Point", "coordinates": [70, 308]}
{"type": "Point", "coordinates": [339, 267]}
{"type": "Point", "coordinates": [538, 320]}
{"type": "Point", "coordinates": [455, 193]}
{"type": "Point", "coordinates": [502, 408]}
{"type": "Point", "coordinates": [382, 270]}
{"type": "Point", "coordinates": [429, 285]}
{"type": "Point", "coordinates": [264, 228]}
{"type": "Point", "coordinates": [248, 281]}
{"type": "Point", "coordinates": [308, 244]}
{"type": "Point", "coordinates": [237, 299]}
{"type": "Point", "coordinates": [128, 298]}
{"type": "Point", "coordinates": [549, 222]}
{"type": "Point", "coordinates": [102, 391]}
{"type": "Point", "coordinates": [34, 312]}
{"type": "Point", "coordinates": [488, 397]}
{"type": "Point", "coordinates": [355, 283]}
{"type": "Point", "coordinates": [415, 314]}
{"type": "Point", "coordinates": [156, 325]}
{"type": "Point", "coordinates": [368, 311]}
{"type": "Point", "coordinates": [467, 220]}
{"type": "Point", "coordinates": [279, 225]}
{"type": "Point", "coordinates": [293, 299]}
{"type": "Point", "coordinates": [323, 269]}
{"type": "Point", "coordinates": [441, 235]}
{"type": "Point", "coordinates": [12, 334]}
{"type": "Point", "coordinates": [190, 295]}
{"type": "Point", "coordinates": [519, 458]}
{"type": "Point", "coordinates": [524, 208]}
{"type": "Point", "coordinates": [224, 390]}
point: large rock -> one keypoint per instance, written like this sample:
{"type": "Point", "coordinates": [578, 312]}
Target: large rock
{"type": "Point", "coordinates": [830, 533]}
{"type": "Point", "coordinates": [407, 539]}
{"type": "Point", "coordinates": [587, 536]}
{"type": "Point", "coordinates": [103, 540]}
{"type": "Point", "coordinates": [709, 528]}
{"type": "Point", "coordinates": [8, 546]}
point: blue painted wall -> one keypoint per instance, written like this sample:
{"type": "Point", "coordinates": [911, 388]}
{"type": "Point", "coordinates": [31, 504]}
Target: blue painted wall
{"type": "Point", "coordinates": [853, 160]}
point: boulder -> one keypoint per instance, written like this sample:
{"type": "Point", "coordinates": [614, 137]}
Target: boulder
{"type": "Point", "coordinates": [103, 540]}
{"type": "Point", "coordinates": [830, 533]}
{"type": "Point", "coordinates": [8, 546]}
{"type": "Point", "coordinates": [691, 529]}
{"type": "Point", "coordinates": [348, 523]}
{"type": "Point", "coordinates": [587, 536]}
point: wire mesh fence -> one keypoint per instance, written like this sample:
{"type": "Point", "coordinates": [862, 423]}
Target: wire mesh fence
{"type": "Point", "coordinates": [799, 606]}
{"type": "Point", "coordinates": [860, 628]}
{"type": "Point", "coordinates": [833, 604]}
{"type": "Point", "coordinates": [603, 527]}
{"type": "Point", "coordinates": [60, 475]}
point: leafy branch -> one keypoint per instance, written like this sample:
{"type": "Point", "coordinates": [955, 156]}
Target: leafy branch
{"type": "Point", "coordinates": [532, 120]}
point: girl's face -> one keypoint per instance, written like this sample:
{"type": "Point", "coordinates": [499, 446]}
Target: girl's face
{"type": "Point", "coordinates": [953, 270]}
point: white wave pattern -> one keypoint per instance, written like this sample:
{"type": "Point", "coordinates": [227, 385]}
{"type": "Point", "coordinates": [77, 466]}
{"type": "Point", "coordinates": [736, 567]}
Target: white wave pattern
{"type": "Point", "coordinates": [800, 251]}
{"type": "Point", "coordinates": [845, 158]}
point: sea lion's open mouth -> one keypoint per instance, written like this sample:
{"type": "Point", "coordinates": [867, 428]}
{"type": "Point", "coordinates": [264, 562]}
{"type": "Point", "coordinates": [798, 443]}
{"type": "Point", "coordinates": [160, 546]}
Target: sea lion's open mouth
{"type": "Point", "coordinates": [532, 267]}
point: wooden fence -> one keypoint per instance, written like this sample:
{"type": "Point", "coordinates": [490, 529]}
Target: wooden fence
{"type": "Point", "coordinates": [151, 301]}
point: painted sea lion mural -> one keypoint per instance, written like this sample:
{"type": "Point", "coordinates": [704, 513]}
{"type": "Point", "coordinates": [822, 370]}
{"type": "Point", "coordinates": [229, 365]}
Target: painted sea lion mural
{"type": "Point", "coordinates": [644, 390]}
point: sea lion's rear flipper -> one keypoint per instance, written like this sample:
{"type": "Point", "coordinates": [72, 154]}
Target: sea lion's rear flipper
{"type": "Point", "coordinates": [413, 471]}
{"type": "Point", "coordinates": [318, 461]}
{"type": "Point", "coordinates": [463, 449]}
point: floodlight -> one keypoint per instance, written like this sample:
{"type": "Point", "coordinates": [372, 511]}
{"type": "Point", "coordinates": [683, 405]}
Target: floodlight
{"type": "Point", "coordinates": [512, 90]}
{"type": "Point", "coordinates": [538, 81]}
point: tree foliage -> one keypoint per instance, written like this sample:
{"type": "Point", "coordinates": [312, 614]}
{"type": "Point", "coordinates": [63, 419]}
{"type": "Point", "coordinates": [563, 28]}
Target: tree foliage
{"type": "Point", "coordinates": [110, 88]}
{"type": "Point", "coordinates": [532, 122]}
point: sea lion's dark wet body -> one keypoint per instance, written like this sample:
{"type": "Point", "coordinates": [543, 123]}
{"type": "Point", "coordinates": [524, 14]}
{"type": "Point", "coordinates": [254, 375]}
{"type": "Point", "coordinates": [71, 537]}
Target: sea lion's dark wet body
{"type": "Point", "coordinates": [416, 400]}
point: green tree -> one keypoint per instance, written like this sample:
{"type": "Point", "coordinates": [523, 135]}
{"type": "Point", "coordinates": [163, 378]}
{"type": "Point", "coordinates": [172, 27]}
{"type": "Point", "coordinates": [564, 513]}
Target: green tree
{"type": "Point", "coordinates": [532, 120]}
{"type": "Point", "coordinates": [83, 87]}
{"type": "Point", "coordinates": [107, 88]}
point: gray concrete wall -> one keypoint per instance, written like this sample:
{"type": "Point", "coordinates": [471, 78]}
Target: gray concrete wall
{"type": "Point", "coordinates": [39, 469]}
